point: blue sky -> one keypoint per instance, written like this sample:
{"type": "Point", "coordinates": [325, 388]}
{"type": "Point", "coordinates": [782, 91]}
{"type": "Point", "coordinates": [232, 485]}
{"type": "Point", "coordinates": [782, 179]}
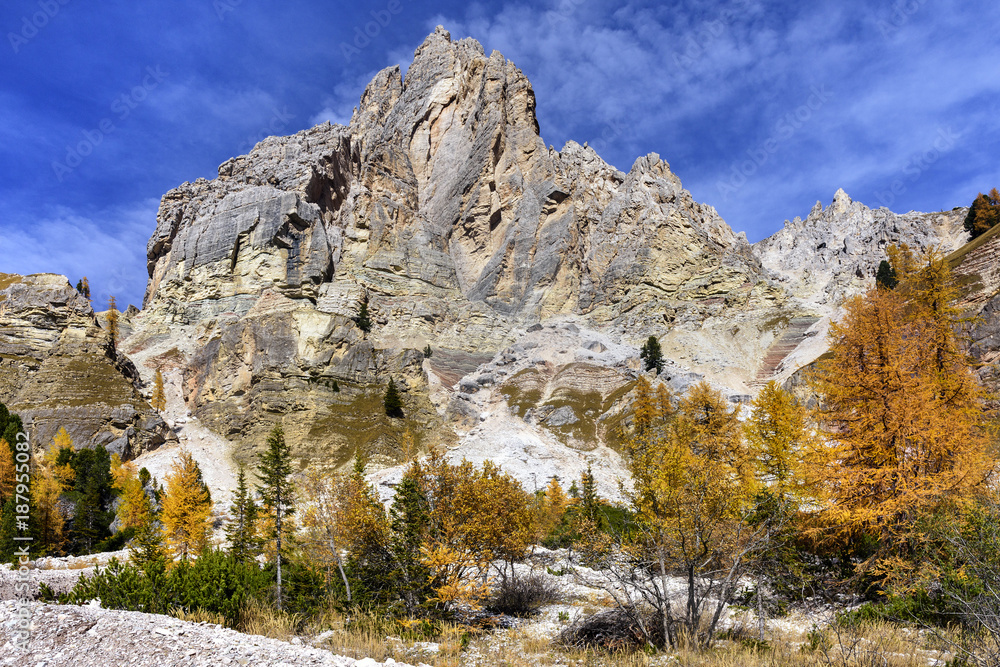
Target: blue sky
{"type": "Point", "coordinates": [762, 108]}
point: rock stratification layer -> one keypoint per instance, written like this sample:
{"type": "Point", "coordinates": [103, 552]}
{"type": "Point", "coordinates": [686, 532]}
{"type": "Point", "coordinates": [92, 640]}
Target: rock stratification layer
{"type": "Point", "coordinates": [532, 274]}
{"type": "Point", "coordinates": [58, 370]}
{"type": "Point", "coordinates": [441, 208]}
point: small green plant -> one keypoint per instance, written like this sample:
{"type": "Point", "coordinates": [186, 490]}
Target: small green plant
{"type": "Point", "coordinates": [363, 320]}
{"type": "Point", "coordinates": [564, 617]}
{"type": "Point", "coordinates": [816, 640]}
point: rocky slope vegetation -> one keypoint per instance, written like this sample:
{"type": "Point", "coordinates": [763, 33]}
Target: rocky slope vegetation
{"type": "Point", "coordinates": [533, 275]}
{"type": "Point", "coordinates": [442, 208]}
{"type": "Point", "coordinates": [57, 370]}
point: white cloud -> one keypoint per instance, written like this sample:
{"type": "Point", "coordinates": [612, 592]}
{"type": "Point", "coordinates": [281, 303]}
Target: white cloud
{"type": "Point", "coordinates": [109, 247]}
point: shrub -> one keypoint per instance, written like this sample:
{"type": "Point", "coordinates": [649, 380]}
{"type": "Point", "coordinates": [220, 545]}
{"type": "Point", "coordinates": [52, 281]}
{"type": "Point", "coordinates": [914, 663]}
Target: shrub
{"type": "Point", "coordinates": [522, 595]}
{"type": "Point", "coordinates": [215, 583]}
{"type": "Point", "coordinates": [612, 630]}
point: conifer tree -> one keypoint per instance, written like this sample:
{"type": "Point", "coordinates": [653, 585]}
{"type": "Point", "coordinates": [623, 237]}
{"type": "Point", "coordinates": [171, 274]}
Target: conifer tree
{"type": "Point", "coordinates": [363, 320]}
{"type": "Point", "coordinates": [590, 504]}
{"type": "Point", "coordinates": [984, 213]}
{"type": "Point", "coordinates": [902, 410]}
{"type": "Point", "coordinates": [644, 410]}
{"type": "Point", "coordinates": [552, 508]}
{"type": "Point", "coordinates": [92, 493]}
{"type": "Point", "coordinates": [409, 522]}
{"type": "Point", "coordinates": [159, 399]}
{"type": "Point", "coordinates": [664, 403]}
{"type": "Point", "coordinates": [885, 277]}
{"type": "Point", "coordinates": [242, 529]}
{"type": "Point", "coordinates": [83, 287]}
{"type": "Point", "coordinates": [50, 481]}
{"type": "Point", "coordinates": [652, 354]}
{"type": "Point", "coordinates": [186, 508]}
{"type": "Point", "coordinates": [147, 550]}
{"type": "Point", "coordinates": [778, 438]}
{"type": "Point", "coordinates": [393, 402]}
{"type": "Point", "coordinates": [134, 508]}
{"type": "Point", "coordinates": [276, 493]}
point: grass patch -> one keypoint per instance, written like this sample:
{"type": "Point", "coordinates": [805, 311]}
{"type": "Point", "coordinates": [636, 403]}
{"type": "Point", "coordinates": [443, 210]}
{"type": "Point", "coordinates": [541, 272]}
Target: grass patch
{"type": "Point", "coordinates": [956, 258]}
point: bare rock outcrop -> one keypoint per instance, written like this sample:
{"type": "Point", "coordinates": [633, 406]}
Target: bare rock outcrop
{"type": "Point", "coordinates": [835, 251]}
{"type": "Point", "coordinates": [441, 208]}
{"type": "Point", "coordinates": [57, 370]}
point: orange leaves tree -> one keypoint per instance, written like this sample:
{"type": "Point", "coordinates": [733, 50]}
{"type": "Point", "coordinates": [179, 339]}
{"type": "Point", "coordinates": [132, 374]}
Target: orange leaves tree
{"type": "Point", "coordinates": [448, 527]}
{"type": "Point", "coordinates": [135, 509]}
{"type": "Point", "coordinates": [159, 399]}
{"type": "Point", "coordinates": [186, 508]}
{"type": "Point", "coordinates": [692, 515]}
{"type": "Point", "coordinates": [474, 518]}
{"type": "Point", "coordinates": [901, 409]}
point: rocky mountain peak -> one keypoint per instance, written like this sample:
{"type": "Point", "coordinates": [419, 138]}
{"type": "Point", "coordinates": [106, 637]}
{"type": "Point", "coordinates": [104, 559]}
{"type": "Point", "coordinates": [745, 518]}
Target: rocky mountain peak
{"type": "Point", "coordinates": [835, 251]}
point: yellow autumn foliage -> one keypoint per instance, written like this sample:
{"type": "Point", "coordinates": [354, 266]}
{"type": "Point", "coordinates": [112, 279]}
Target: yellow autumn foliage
{"type": "Point", "coordinates": [186, 508]}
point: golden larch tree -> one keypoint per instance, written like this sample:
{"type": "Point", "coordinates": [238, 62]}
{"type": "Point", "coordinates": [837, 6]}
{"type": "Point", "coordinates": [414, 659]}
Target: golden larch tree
{"type": "Point", "coordinates": [50, 481]}
{"type": "Point", "coordinates": [644, 408]}
{"type": "Point", "coordinates": [135, 508]}
{"type": "Point", "coordinates": [692, 505]}
{"type": "Point", "coordinates": [901, 410]}
{"type": "Point", "coordinates": [112, 321]}
{"type": "Point", "coordinates": [778, 438]}
{"type": "Point", "coordinates": [8, 478]}
{"type": "Point", "coordinates": [186, 508]}
{"type": "Point", "coordinates": [159, 399]}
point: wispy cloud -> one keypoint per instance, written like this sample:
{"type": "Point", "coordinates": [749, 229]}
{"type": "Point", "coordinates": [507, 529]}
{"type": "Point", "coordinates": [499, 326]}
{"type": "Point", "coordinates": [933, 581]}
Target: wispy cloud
{"type": "Point", "coordinates": [109, 247]}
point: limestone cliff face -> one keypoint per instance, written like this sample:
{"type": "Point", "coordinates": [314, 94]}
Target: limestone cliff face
{"type": "Point", "coordinates": [442, 204]}
{"type": "Point", "coordinates": [977, 266]}
{"type": "Point", "coordinates": [836, 250]}
{"type": "Point", "coordinates": [442, 207]}
{"type": "Point", "coordinates": [56, 370]}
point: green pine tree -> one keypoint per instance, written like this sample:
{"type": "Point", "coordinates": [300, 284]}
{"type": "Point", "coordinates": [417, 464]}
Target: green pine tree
{"type": "Point", "coordinates": [93, 495]}
{"type": "Point", "coordinates": [363, 320]}
{"type": "Point", "coordinates": [651, 354]}
{"type": "Point", "coordinates": [8, 529]}
{"type": "Point", "coordinates": [590, 502]}
{"type": "Point", "coordinates": [242, 530]}
{"type": "Point", "coordinates": [146, 549]}
{"type": "Point", "coordinates": [408, 521]}
{"type": "Point", "coordinates": [885, 277]}
{"type": "Point", "coordinates": [393, 402]}
{"type": "Point", "coordinates": [276, 492]}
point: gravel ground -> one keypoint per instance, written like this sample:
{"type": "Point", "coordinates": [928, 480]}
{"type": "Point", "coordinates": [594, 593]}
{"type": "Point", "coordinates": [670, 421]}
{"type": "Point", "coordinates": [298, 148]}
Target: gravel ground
{"type": "Point", "coordinates": [88, 636]}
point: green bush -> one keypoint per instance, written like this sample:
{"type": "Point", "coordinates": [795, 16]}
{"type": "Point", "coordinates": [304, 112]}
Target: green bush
{"type": "Point", "coordinates": [215, 582]}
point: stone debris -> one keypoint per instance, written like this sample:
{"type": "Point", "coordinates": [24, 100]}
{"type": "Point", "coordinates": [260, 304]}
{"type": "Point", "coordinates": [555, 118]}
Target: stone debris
{"type": "Point", "coordinates": [88, 636]}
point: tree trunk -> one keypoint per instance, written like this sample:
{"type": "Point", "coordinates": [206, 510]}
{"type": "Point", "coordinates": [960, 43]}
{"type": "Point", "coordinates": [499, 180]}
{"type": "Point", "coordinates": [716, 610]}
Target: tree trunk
{"type": "Point", "coordinates": [277, 533]}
